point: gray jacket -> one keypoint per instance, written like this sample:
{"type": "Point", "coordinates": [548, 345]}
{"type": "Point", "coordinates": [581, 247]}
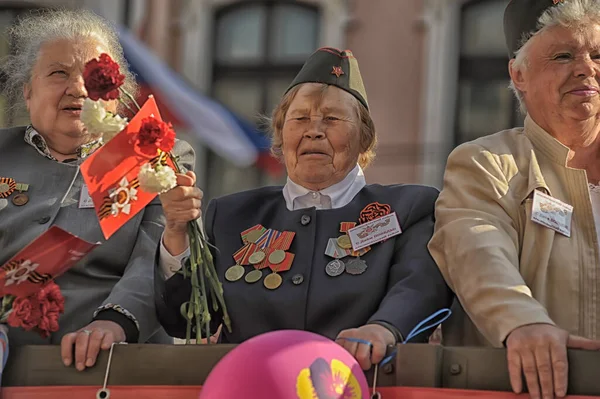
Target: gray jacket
{"type": "Point", "coordinates": [120, 271]}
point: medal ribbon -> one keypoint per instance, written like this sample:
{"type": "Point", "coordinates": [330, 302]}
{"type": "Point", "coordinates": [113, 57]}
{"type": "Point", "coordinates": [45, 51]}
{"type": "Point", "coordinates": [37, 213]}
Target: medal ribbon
{"type": "Point", "coordinates": [265, 262]}
{"type": "Point", "coordinates": [360, 252]}
{"type": "Point", "coordinates": [268, 238]}
{"type": "Point", "coordinates": [242, 256]}
{"type": "Point", "coordinates": [285, 265]}
{"type": "Point", "coordinates": [345, 226]}
{"type": "Point", "coordinates": [334, 250]}
{"type": "Point", "coordinates": [245, 233]}
{"type": "Point", "coordinates": [284, 241]}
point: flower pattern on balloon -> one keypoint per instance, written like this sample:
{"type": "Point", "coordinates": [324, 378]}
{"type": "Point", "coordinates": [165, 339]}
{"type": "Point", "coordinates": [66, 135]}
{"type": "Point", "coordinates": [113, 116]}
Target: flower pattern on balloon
{"type": "Point", "coordinates": [323, 380]}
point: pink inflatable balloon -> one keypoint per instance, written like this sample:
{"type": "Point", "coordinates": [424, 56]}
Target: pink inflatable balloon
{"type": "Point", "coordinates": [287, 364]}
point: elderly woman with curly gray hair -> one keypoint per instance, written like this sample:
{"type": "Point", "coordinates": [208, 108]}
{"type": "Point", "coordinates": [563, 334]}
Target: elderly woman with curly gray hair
{"type": "Point", "coordinates": [517, 222]}
{"type": "Point", "coordinates": [109, 293]}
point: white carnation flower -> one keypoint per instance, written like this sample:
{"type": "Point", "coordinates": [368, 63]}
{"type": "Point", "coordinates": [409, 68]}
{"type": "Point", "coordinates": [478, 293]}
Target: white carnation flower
{"type": "Point", "coordinates": [113, 125]}
{"type": "Point", "coordinates": [159, 180]}
{"type": "Point", "coordinates": [99, 121]}
{"type": "Point", "coordinates": [92, 115]}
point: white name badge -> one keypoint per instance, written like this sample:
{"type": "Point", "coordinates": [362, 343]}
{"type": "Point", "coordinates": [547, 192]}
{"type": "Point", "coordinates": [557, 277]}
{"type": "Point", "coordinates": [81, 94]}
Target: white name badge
{"type": "Point", "coordinates": [552, 213]}
{"type": "Point", "coordinates": [374, 231]}
{"type": "Point", "coordinates": [85, 201]}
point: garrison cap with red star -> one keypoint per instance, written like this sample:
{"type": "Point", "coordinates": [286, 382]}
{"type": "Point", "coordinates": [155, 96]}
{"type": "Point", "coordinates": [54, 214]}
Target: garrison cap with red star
{"type": "Point", "coordinates": [521, 20]}
{"type": "Point", "coordinates": [333, 67]}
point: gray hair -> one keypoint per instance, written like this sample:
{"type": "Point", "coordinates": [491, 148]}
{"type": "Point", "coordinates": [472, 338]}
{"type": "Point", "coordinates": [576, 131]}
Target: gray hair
{"type": "Point", "coordinates": [570, 13]}
{"type": "Point", "coordinates": [39, 27]}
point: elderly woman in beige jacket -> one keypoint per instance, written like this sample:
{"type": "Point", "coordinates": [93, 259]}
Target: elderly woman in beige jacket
{"type": "Point", "coordinates": [517, 225]}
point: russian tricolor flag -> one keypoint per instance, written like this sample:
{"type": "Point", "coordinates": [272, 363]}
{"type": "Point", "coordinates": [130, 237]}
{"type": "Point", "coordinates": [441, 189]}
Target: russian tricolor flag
{"type": "Point", "coordinates": [225, 133]}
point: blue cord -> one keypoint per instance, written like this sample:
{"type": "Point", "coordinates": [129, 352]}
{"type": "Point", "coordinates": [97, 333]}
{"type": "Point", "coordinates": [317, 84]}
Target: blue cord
{"type": "Point", "coordinates": [441, 316]}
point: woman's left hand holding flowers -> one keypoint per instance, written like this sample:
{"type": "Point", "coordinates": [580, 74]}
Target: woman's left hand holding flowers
{"type": "Point", "coordinates": [181, 205]}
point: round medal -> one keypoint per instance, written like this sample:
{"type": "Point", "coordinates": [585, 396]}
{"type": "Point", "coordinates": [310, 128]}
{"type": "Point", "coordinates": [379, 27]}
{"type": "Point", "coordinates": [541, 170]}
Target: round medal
{"type": "Point", "coordinates": [253, 276]}
{"type": "Point", "coordinates": [253, 236]}
{"type": "Point", "coordinates": [335, 268]}
{"type": "Point", "coordinates": [7, 186]}
{"type": "Point", "coordinates": [356, 266]}
{"type": "Point", "coordinates": [344, 241]}
{"type": "Point", "coordinates": [257, 257]}
{"type": "Point", "coordinates": [277, 257]}
{"type": "Point", "coordinates": [272, 281]}
{"type": "Point", "coordinates": [234, 273]}
{"type": "Point", "coordinates": [20, 199]}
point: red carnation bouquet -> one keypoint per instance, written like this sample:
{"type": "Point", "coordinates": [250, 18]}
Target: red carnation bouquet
{"type": "Point", "coordinates": [38, 312]}
{"type": "Point", "coordinates": [152, 139]}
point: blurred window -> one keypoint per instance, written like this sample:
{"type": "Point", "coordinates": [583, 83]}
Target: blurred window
{"type": "Point", "coordinates": [485, 103]}
{"type": "Point", "coordinates": [259, 47]}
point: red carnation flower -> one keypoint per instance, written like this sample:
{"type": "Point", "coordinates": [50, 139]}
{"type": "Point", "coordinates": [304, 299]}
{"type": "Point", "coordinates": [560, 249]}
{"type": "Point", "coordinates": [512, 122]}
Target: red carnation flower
{"type": "Point", "coordinates": [52, 304]}
{"type": "Point", "coordinates": [102, 78]}
{"type": "Point", "coordinates": [51, 296]}
{"type": "Point", "coordinates": [155, 134]}
{"type": "Point", "coordinates": [25, 313]}
{"type": "Point", "coordinates": [49, 320]}
{"type": "Point", "coordinates": [39, 311]}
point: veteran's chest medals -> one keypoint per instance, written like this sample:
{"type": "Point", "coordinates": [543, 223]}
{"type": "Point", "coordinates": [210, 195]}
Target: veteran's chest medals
{"type": "Point", "coordinates": [376, 223]}
{"type": "Point", "coordinates": [8, 187]}
{"type": "Point", "coordinates": [263, 248]}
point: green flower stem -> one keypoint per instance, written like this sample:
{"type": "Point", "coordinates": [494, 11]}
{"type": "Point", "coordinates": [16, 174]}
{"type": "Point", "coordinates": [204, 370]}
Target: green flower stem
{"type": "Point", "coordinates": [127, 106]}
{"type": "Point", "coordinates": [130, 97]}
{"type": "Point", "coordinates": [217, 288]}
{"type": "Point", "coordinates": [201, 270]}
{"type": "Point", "coordinates": [205, 318]}
{"type": "Point", "coordinates": [188, 328]}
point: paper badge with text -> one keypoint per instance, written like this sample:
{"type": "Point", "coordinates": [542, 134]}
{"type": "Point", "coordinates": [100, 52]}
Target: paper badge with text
{"type": "Point", "coordinates": [374, 231]}
{"type": "Point", "coordinates": [40, 262]}
{"type": "Point", "coordinates": [552, 213]}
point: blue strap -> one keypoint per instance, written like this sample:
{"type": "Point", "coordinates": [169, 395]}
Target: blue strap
{"type": "Point", "coordinates": [443, 314]}
{"type": "Point", "coordinates": [434, 320]}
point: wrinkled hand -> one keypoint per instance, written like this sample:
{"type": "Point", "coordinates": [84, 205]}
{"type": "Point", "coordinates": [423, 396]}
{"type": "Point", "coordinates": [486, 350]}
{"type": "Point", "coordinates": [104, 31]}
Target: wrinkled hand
{"type": "Point", "coordinates": [540, 352]}
{"type": "Point", "coordinates": [367, 355]}
{"type": "Point", "coordinates": [88, 341]}
{"type": "Point", "coordinates": [180, 205]}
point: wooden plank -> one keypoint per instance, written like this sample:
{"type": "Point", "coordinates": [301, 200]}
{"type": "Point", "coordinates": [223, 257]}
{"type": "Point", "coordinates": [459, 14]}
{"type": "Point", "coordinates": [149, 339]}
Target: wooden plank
{"type": "Point", "coordinates": [487, 369]}
{"type": "Point", "coordinates": [131, 365]}
{"type": "Point", "coordinates": [143, 364]}
{"type": "Point", "coordinates": [419, 365]}
{"type": "Point", "coordinates": [185, 392]}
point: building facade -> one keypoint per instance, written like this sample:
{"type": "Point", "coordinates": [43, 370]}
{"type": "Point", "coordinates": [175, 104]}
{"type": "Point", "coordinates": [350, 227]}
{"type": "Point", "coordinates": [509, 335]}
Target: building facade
{"type": "Point", "coordinates": [435, 70]}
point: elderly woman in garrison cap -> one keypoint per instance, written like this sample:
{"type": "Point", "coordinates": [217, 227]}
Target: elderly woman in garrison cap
{"type": "Point", "coordinates": [285, 253]}
{"type": "Point", "coordinates": [518, 219]}
{"type": "Point", "coordinates": [109, 293]}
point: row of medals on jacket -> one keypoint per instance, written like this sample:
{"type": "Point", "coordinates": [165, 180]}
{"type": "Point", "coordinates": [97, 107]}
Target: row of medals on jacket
{"type": "Point", "coordinates": [272, 281]}
{"type": "Point", "coordinates": [334, 268]}
{"type": "Point", "coordinates": [8, 186]}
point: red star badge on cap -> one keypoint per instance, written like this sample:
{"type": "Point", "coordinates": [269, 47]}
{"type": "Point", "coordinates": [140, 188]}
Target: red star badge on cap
{"type": "Point", "coordinates": [557, 1]}
{"type": "Point", "coordinates": [337, 71]}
